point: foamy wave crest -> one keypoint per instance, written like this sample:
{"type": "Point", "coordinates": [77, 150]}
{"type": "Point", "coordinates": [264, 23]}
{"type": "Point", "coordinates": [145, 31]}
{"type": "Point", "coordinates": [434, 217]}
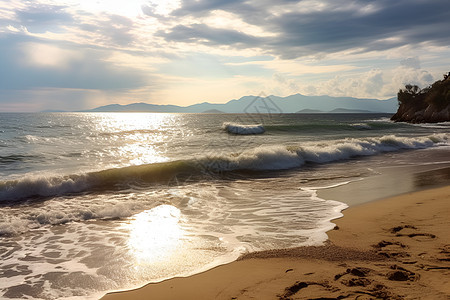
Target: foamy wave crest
{"type": "Point", "coordinates": [243, 129]}
{"type": "Point", "coordinates": [42, 187]}
{"type": "Point", "coordinates": [273, 157]}
{"type": "Point", "coordinates": [281, 157]}
{"type": "Point", "coordinates": [348, 148]}
{"type": "Point", "coordinates": [361, 126]}
{"type": "Point", "coordinates": [111, 179]}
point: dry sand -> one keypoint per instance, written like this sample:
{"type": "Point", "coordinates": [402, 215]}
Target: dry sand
{"type": "Point", "coordinates": [396, 248]}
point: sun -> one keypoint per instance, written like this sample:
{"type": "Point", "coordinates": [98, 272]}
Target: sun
{"type": "Point", "coordinates": [128, 8]}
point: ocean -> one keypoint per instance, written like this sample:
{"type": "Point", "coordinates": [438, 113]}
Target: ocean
{"type": "Point", "coordinates": [96, 202]}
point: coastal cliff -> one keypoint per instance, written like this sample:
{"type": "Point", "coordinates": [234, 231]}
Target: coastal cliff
{"type": "Point", "coordinates": [429, 105]}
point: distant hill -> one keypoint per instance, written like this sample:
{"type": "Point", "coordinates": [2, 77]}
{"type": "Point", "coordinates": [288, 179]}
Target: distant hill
{"type": "Point", "coordinates": [310, 111]}
{"type": "Point", "coordinates": [213, 111]}
{"type": "Point", "coordinates": [52, 111]}
{"type": "Point", "coordinates": [335, 111]}
{"type": "Point", "coordinates": [137, 107]}
{"type": "Point", "coordinates": [272, 104]}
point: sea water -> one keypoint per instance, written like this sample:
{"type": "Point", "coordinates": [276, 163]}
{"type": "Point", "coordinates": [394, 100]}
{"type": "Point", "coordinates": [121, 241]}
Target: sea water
{"type": "Point", "coordinates": [95, 202]}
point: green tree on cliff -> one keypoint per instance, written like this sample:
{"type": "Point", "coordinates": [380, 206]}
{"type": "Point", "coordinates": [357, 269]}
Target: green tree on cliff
{"type": "Point", "coordinates": [438, 94]}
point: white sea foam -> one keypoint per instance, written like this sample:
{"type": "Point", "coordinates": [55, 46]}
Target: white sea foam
{"type": "Point", "coordinates": [441, 125]}
{"type": "Point", "coordinates": [42, 186]}
{"type": "Point", "coordinates": [278, 157]}
{"type": "Point", "coordinates": [243, 129]}
{"type": "Point", "coordinates": [62, 210]}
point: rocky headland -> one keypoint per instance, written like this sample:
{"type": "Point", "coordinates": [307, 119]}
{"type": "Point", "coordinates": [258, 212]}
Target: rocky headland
{"type": "Point", "coordinates": [428, 105]}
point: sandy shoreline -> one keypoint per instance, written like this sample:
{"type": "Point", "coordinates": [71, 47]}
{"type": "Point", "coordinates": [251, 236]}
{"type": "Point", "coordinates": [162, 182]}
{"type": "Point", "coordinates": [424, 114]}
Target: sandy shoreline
{"type": "Point", "coordinates": [396, 248]}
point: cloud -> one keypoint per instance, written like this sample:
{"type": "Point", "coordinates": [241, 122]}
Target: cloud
{"type": "Point", "coordinates": [48, 56]}
{"type": "Point", "coordinates": [29, 63]}
{"type": "Point", "coordinates": [107, 29]}
{"type": "Point", "coordinates": [393, 24]}
{"type": "Point", "coordinates": [325, 26]}
{"type": "Point", "coordinates": [39, 18]}
{"type": "Point", "coordinates": [405, 75]}
{"type": "Point", "coordinates": [411, 62]}
{"type": "Point", "coordinates": [283, 86]}
{"type": "Point", "coordinates": [204, 34]}
{"type": "Point", "coordinates": [375, 83]}
{"type": "Point", "coordinates": [193, 7]}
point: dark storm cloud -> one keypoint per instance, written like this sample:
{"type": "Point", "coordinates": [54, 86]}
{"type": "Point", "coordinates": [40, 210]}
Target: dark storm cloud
{"type": "Point", "coordinates": [203, 34]}
{"type": "Point", "coordinates": [38, 18]}
{"type": "Point", "coordinates": [329, 31]}
{"type": "Point", "coordinates": [251, 13]}
{"type": "Point", "coordinates": [89, 71]}
{"type": "Point", "coordinates": [364, 25]}
{"type": "Point", "coordinates": [192, 7]}
{"type": "Point", "coordinates": [240, 7]}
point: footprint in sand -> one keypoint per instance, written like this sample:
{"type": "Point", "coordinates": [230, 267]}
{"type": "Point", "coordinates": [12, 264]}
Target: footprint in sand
{"type": "Point", "coordinates": [358, 271]}
{"type": "Point", "coordinates": [410, 231]}
{"type": "Point", "coordinates": [444, 253]}
{"type": "Point", "coordinates": [401, 274]}
{"type": "Point", "coordinates": [391, 249]}
{"type": "Point", "coordinates": [320, 288]}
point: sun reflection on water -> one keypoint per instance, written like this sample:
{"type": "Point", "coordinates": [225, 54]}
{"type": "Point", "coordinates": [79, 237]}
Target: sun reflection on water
{"type": "Point", "coordinates": [155, 234]}
{"type": "Point", "coordinates": [135, 138]}
{"type": "Point", "coordinates": [129, 122]}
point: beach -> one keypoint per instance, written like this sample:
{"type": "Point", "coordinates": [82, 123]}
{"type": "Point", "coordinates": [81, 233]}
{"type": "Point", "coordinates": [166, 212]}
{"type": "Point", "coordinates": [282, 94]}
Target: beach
{"type": "Point", "coordinates": [395, 248]}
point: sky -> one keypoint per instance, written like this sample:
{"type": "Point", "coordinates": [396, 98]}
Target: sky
{"type": "Point", "coordinates": [75, 55]}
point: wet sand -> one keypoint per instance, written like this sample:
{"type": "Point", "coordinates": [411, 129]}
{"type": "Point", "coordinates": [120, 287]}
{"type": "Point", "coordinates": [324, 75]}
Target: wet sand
{"type": "Point", "coordinates": [395, 248]}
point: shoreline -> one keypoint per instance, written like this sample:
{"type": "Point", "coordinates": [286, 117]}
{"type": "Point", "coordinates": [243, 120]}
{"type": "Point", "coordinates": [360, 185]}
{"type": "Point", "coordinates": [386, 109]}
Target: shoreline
{"type": "Point", "coordinates": [389, 182]}
{"type": "Point", "coordinates": [394, 248]}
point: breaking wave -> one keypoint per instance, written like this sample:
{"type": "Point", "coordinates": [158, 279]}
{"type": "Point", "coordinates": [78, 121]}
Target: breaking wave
{"type": "Point", "coordinates": [262, 158]}
{"type": "Point", "coordinates": [243, 129]}
{"type": "Point", "coordinates": [315, 127]}
{"type": "Point", "coordinates": [361, 126]}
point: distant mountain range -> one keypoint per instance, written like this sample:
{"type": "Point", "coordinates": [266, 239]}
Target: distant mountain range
{"type": "Point", "coordinates": [255, 104]}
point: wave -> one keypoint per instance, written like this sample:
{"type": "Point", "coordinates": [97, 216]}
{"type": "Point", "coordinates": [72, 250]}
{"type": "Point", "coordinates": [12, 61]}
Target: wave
{"type": "Point", "coordinates": [101, 181]}
{"type": "Point", "coordinates": [361, 126]}
{"type": "Point", "coordinates": [7, 159]}
{"type": "Point", "coordinates": [262, 158]}
{"type": "Point", "coordinates": [243, 129]}
{"type": "Point", "coordinates": [315, 127]}
{"type": "Point", "coordinates": [441, 125]}
{"type": "Point", "coordinates": [280, 157]}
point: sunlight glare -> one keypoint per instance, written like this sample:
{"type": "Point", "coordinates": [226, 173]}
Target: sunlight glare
{"type": "Point", "coordinates": [163, 7]}
{"type": "Point", "coordinates": [155, 234]}
{"type": "Point", "coordinates": [115, 122]}
{"type": "Point", "coordinates": [139, 137]}
{"type": "Point", "coordinates": [129, 8]}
